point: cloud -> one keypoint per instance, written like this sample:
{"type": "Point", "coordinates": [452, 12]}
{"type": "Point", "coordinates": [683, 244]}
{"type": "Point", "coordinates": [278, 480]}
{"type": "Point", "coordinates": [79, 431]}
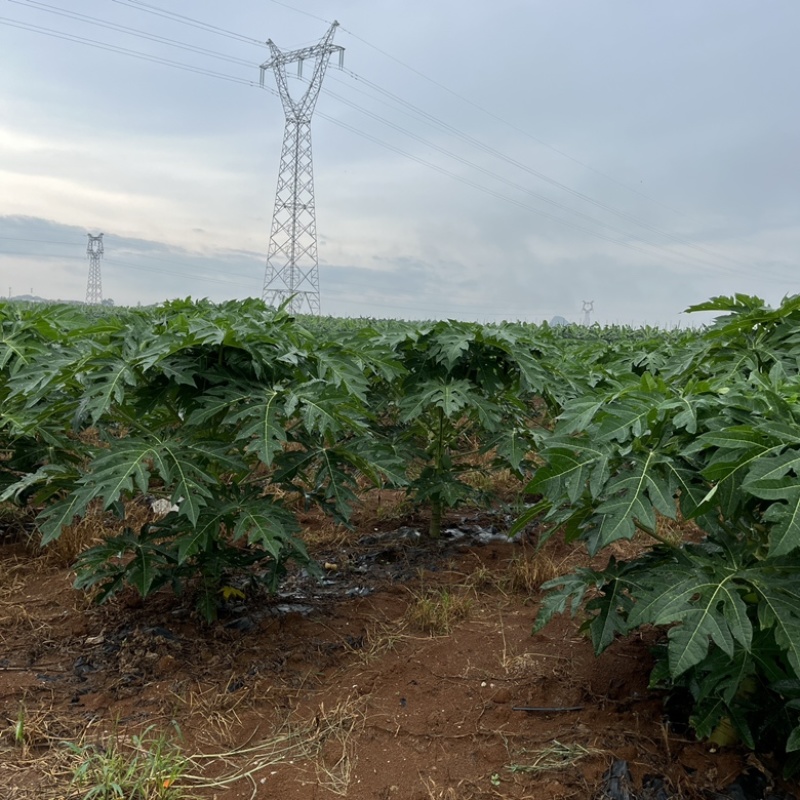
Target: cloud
{"type": "Point", "coordinates": [663, 137]}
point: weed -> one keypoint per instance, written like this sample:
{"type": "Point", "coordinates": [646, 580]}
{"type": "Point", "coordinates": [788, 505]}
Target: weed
{"type": "Point", "coordinates": [392, 506]}
{"type": "Point", "coordinates": [19, 727]}
{"type": "Point", "coordinates": [437, 611]}
{"type": "Point", "coordinates": [37, 728]}
{"type": "Point", "coordinates": [526, 573]}
{"type": "Point", "coordinates": [147, 768]}
{"type": "Point", "coordinates": [484, 578]}
{"type": "Point", "coordinates": [13, 613]}
{"type": "Point", "coordinates": [555, 756]}
{"type": "Point", "coordinates": [92, 529]}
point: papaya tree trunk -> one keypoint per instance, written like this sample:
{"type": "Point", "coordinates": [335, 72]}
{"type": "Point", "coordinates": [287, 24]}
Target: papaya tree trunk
{"type": "Point", "coordinates": [435, 529]}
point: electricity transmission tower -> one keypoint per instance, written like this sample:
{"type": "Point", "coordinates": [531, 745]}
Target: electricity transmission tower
{"type": "Point", "coordinates": [588, 307]}
{"type": "Point", "coordinates": [94, 286]}
{"type": "Point", "coordinates": [292, 264]}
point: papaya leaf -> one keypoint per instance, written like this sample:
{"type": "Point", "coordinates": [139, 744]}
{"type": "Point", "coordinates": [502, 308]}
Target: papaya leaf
{"type": "Point", "coordinates": [776, 478]}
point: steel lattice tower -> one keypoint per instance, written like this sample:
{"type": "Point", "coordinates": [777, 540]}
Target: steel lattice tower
{"type": "Point", "coordinates": [94, 286]}
{"type": "Point", "coordinates": [292, 265]}
{"type": "Point", "coordinates": [588, 307]}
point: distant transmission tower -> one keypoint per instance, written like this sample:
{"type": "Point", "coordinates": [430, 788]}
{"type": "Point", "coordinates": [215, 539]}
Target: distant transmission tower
{"type": "Point", "coordinates": [588, 307]}
{"type": "Point", "coordinates": [94, 286]}
{"type": "Point", "coordinates": [292, 265]}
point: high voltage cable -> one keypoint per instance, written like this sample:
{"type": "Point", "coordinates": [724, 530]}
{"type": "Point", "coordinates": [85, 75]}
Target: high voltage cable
{"type": "Point", "coordinates": [127, 265]}
{"type": "Point", "coordinates": [124, 51]}
{"type": "Point", "coordinates": [513, 184]}
{"type": "Point", "coordinates": [451, 129]}
{"type": "Point", "coordinates": [301, 11]}
{"type": "Point", "coordinates": [139, 4]}
{"type": "Point", "coordinates": [114, 262]}
{"type": "Point", "coordinates": [197, 23]}
{"type": "Point", "coordinates": [226, 280]}
{"type": "Point", "coordinates": [132, 31]}
{"type": "Point", "coordinates": [665, 254]}
{"type": "Point", "coordinates": [455, 176]}
{"type": "Point", "coordinates": [210, 73]}
{"type": "Point", "coordinates": [429, 117]}
{"type": "Point", "coordinates": [493, 151]}
{"type": "Point", "coordinates": [506, 122]}
{"type": "Point", "coordinates": [184, 20]}
{"type": "Point", "coordinates": [111, 262]}
{"type": "Point", "coordinates": [222, 31]}
{"type": "Point", "coordinates": [38, 241]}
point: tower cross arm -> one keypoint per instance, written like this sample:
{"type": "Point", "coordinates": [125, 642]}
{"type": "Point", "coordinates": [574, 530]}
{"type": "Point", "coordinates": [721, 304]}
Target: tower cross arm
{"type": "Point", "coordinates": [280, 59]}
{"type": "Point", "coordinates": [300, 55]}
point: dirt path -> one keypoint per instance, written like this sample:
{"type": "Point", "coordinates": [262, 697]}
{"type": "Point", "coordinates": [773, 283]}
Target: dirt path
{"type": "Point", "coordinates": [398, 678]}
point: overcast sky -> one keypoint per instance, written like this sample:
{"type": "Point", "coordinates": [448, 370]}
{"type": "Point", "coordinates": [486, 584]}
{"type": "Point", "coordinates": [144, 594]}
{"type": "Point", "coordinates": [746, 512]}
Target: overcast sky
{"type": "Point", "coordinates": [640, 155]}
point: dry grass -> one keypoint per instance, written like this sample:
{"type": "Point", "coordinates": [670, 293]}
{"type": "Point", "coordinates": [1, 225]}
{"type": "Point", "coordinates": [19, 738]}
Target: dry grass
{"type": "Point", "coordinates": [529, 570]}
{"type": "Point", "coordinates": [524, 574]}
{"type": "Point", "coordinates": [381, 638]}
{"type": "Point", "coordinates": [436, 611]}
{"type": "Point", "coordinates": [324, 533]}
{"type": "Point", "coordinates": [502, 485]}
{"type": "Point", "coordinates": [91, 529]}
{"type": "Point", "coordinates": [555, 756]}
{"type": "Point", "coordinates": [36, 775]}
{"type": "Point", "coordinates": [16, 522]}
{"type": "Point", "coordinates": [676, 531]}
{"type": "Point", "coordinates": [214, 710]}
{"type": "Point", "coordinates": [392, 506]}
{"type": "Point", "coordinates": [435, 792]}
{"type": "Point", "coordinates": [38, 728]}
{"type": "Point", "coordinates": [14, 614]}
{"type": "Point", "coordinates": [325, 742]}
{"type": "Point", "coordinates": [484, 579]}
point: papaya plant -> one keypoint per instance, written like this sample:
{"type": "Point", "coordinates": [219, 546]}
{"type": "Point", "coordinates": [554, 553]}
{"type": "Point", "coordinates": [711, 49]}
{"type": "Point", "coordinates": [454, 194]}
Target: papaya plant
{"type": "Point", "coordinates": [211, 407]}
{"type": "Point", "coordinates": [714, 437]}
{"type": "Point", "coordinates": [465, 392]}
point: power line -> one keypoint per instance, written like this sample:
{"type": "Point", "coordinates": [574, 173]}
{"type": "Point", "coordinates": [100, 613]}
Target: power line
{"type": "Point", "coordinates": [352, 129]}
{"type": "Point", "coordinates": [38, 241]}
{"type": "Point", "coordinates": [29, 254]}
{"type": "Point", "coordinates": [137, 4]}
{"type": "Point", "coordinates": [429, 117]}
{"type": "Point", "coordinates": [114, 262]}
{"type": "Point", "coordinates": [506, 122]}
{"type": "Point", "coordinates": [180, 65]}
{"type": "Point", "coordinates": [194, 276]}
{"type": "Point", "coordinates": [541, 176]}
{"type": "Point", "coordinates": [123, 50]}
{"type": "Point", "coordinates": [222, 31]}
{"type": "Point", "coordinates": [205, 26]}
{"type": "Point", "coordinates": [513, 184]}
{"type": "Point", "coordinates": [301, 11]}
{"type": "Point", "coordinates": [131, 31]}
{"type": "Point", "coordinates": [451, 129]}
{"type": "Point", "coordinates": [141, 5]}
{"type": "Point", "coordinates": [669, 255]}
{"type": "Point", "coordinates": [190, 21]}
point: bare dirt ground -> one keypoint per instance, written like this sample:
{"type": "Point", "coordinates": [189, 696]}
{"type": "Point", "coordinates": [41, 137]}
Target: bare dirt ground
{"type": "Point", "coordinates": [398, 677]}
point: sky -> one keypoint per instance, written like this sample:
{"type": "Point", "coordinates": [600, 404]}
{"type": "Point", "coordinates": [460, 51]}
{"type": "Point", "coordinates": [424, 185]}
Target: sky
{"type": "Point", "coordinates": [514, 159]}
